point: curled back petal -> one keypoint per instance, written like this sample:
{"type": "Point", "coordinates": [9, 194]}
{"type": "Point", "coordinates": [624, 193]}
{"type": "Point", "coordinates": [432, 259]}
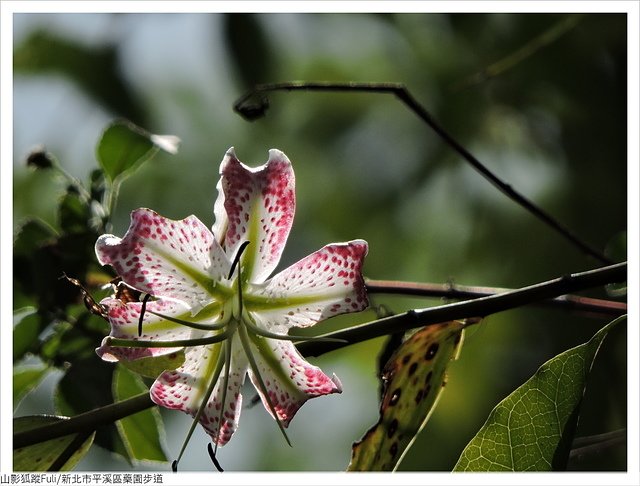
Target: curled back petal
{"type": "Point", "coordinates": [124, 320]}
{"type": "Point", "coordinates": [219, 227]}
{"type": "Point", "coordinates": [172, 259]}
{"type": "Point", "coordinates": [290, 380]}
{"type": "Point", "coordinates": [260, 205]}
{"type": "Point", "coordinates": [324, 284]}
{"type": "Point", "coordinates": [184, 389]}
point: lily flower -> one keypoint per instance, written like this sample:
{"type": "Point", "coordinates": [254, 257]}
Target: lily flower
{"type": "Point", "coordinates": [212, 298]}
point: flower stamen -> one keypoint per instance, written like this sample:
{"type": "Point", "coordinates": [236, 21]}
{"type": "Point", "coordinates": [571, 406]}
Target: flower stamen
{"type": "Point", "coordinates": [212, 455]}
{"type": "Point", "coordinates": [180, 343]}
{"type": "Point", "coordinates": [194, 325]}
{"type": "Point", "coordinates": [142, 311]}
{"type": "Point", "coordinates": [203, 404]}
{"type": "Point", "coordinates": [248, 321]}
{"type": "Point", "coordinates": [225, 384]}
{"type": "Point", "coordinates": [236, 260]}
{"type": "Point", "coordinates": [244, 339]}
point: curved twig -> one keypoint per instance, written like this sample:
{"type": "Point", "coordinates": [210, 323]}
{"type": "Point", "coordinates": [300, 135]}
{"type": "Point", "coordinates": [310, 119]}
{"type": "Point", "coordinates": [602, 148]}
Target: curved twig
{"type": "Point", "coordinates": [254, 104]}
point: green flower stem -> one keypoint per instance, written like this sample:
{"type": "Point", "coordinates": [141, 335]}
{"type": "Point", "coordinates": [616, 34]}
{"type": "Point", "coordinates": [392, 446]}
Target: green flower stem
{"type": "Point", "coordinates": [589, 306]}
{"type": "Point", "coordinates": [180, 343]}
{"type": "Point", "coordinates": [85, 421]}
{"type": "Point", "coordinates": [214, 379]}
{"type": "Point", "coordinates": [193, 325]}
{"type": "Point", "coordinates": [283, 337]}
{"type": "Point", "coordinates": [480, 307]}
{"type": "Point", "coordinates": [110, 197]}
{"type": "Point", "coordinates": [245, 341]}
{"type": "Point", "coordinates": [75, 182]}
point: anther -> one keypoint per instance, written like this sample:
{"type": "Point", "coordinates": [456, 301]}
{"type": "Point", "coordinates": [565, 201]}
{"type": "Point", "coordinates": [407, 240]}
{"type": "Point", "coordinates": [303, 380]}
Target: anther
{"type": "Point", "coordinates": [236, 260]}
{"type": "Point", "coordinates": [142, 311]}
{"type": "Point", "coordinates": [212, 455]}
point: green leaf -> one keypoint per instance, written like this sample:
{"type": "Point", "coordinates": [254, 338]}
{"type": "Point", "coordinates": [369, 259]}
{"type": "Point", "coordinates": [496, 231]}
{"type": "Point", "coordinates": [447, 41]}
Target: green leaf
{"type": "Point", "coordinates": [141, 432]}
{"type": "Point", "coordinates": [153, 366]}
{"type": "Point", "coordinates": [26, 378]}
{"type": "Point", "coordinates": [124, 146]}
{"type": "Point", "coordinates": [25, 333]}
{"type": "Point", "coordinates": [413, 380]}
{"type": "Point", "coordinates": [60, 454]}
{"type": "Point", "coordinates": [532, 429]}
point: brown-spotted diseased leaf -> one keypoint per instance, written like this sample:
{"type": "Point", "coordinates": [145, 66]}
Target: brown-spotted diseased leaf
{"type": "Point", "coordinates": [412, 381]}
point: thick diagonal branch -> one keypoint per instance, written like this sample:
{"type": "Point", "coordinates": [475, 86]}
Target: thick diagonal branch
{"type": "Point", "coordinates": [589, 306]}
{"type": "Point", "coordinates": [480, 307]}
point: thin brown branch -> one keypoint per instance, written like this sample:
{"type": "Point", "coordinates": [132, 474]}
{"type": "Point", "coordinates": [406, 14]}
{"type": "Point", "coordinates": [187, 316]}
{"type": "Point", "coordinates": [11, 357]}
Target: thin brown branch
{"type": "Point", "coordinates": [253, 105]}
{"type": "Point", "coordinates": [595, 307]}
{"type": "Point", "coordinates": [480, 307]}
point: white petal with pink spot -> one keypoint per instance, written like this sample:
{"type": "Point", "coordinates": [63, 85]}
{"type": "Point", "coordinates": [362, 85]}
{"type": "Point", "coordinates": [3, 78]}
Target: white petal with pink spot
{"type": "Point", "coordinates": [293, 383]}
{"type": "Point", "coordinates": [260, 204]}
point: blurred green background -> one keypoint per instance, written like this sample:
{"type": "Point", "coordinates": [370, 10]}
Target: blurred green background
{"type": "Point", "coordinates": [552, 124]}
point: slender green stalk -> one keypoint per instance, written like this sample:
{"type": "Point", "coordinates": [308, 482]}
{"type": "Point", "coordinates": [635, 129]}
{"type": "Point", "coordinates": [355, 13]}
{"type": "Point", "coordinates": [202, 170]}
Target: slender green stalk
{"type": "Point", "coordinates": [284, 337]}
{"type": "Point", "coordinates": [245, 340]}
{"type": "Point", "coordinates": [228, 349]}
{"type": "Point", "coordinates": [547, 37]}
{"type": "Point", "coordinates": [205, 398]}
{"type": "Point", "coordinates": [246, 345]}
{"type": "Point", "coordinates": [180, 343]}
{"type": "Point", "coordinates": [193, 325]}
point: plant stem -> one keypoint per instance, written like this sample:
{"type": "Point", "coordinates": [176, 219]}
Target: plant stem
{"type": "Point", "coordinates": [595, 307]}
{"type": "Point", "coordinates": [480, 307]}
{"type": "Point", "coordinates": [530, 48]}
{"type": "Point", "coordinates": [254, 104]}
{"type": "Point", "coordinates": [83, 422]}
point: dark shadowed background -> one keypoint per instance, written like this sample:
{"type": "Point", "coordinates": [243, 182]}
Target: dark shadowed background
{"type": "Point", "coordinates": [550, 119]}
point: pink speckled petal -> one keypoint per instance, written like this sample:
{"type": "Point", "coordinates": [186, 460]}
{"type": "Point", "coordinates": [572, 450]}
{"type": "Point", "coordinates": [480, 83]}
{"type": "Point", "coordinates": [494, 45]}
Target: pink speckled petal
{"type": "Point", "coordinates": [293, 382]}
{"type": "Point", "coordinates": [219, 227]}
{"type": "Point", "coordinates": [166, 258]}
{"type": "Point", "coordinates": [183, 389]}
{"type": "Point", "coordinates": [260, 204]}
{"type": "Point", "coordinates": [124, 324]}
{"type": "Point", "coordinates": [324, 284]}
